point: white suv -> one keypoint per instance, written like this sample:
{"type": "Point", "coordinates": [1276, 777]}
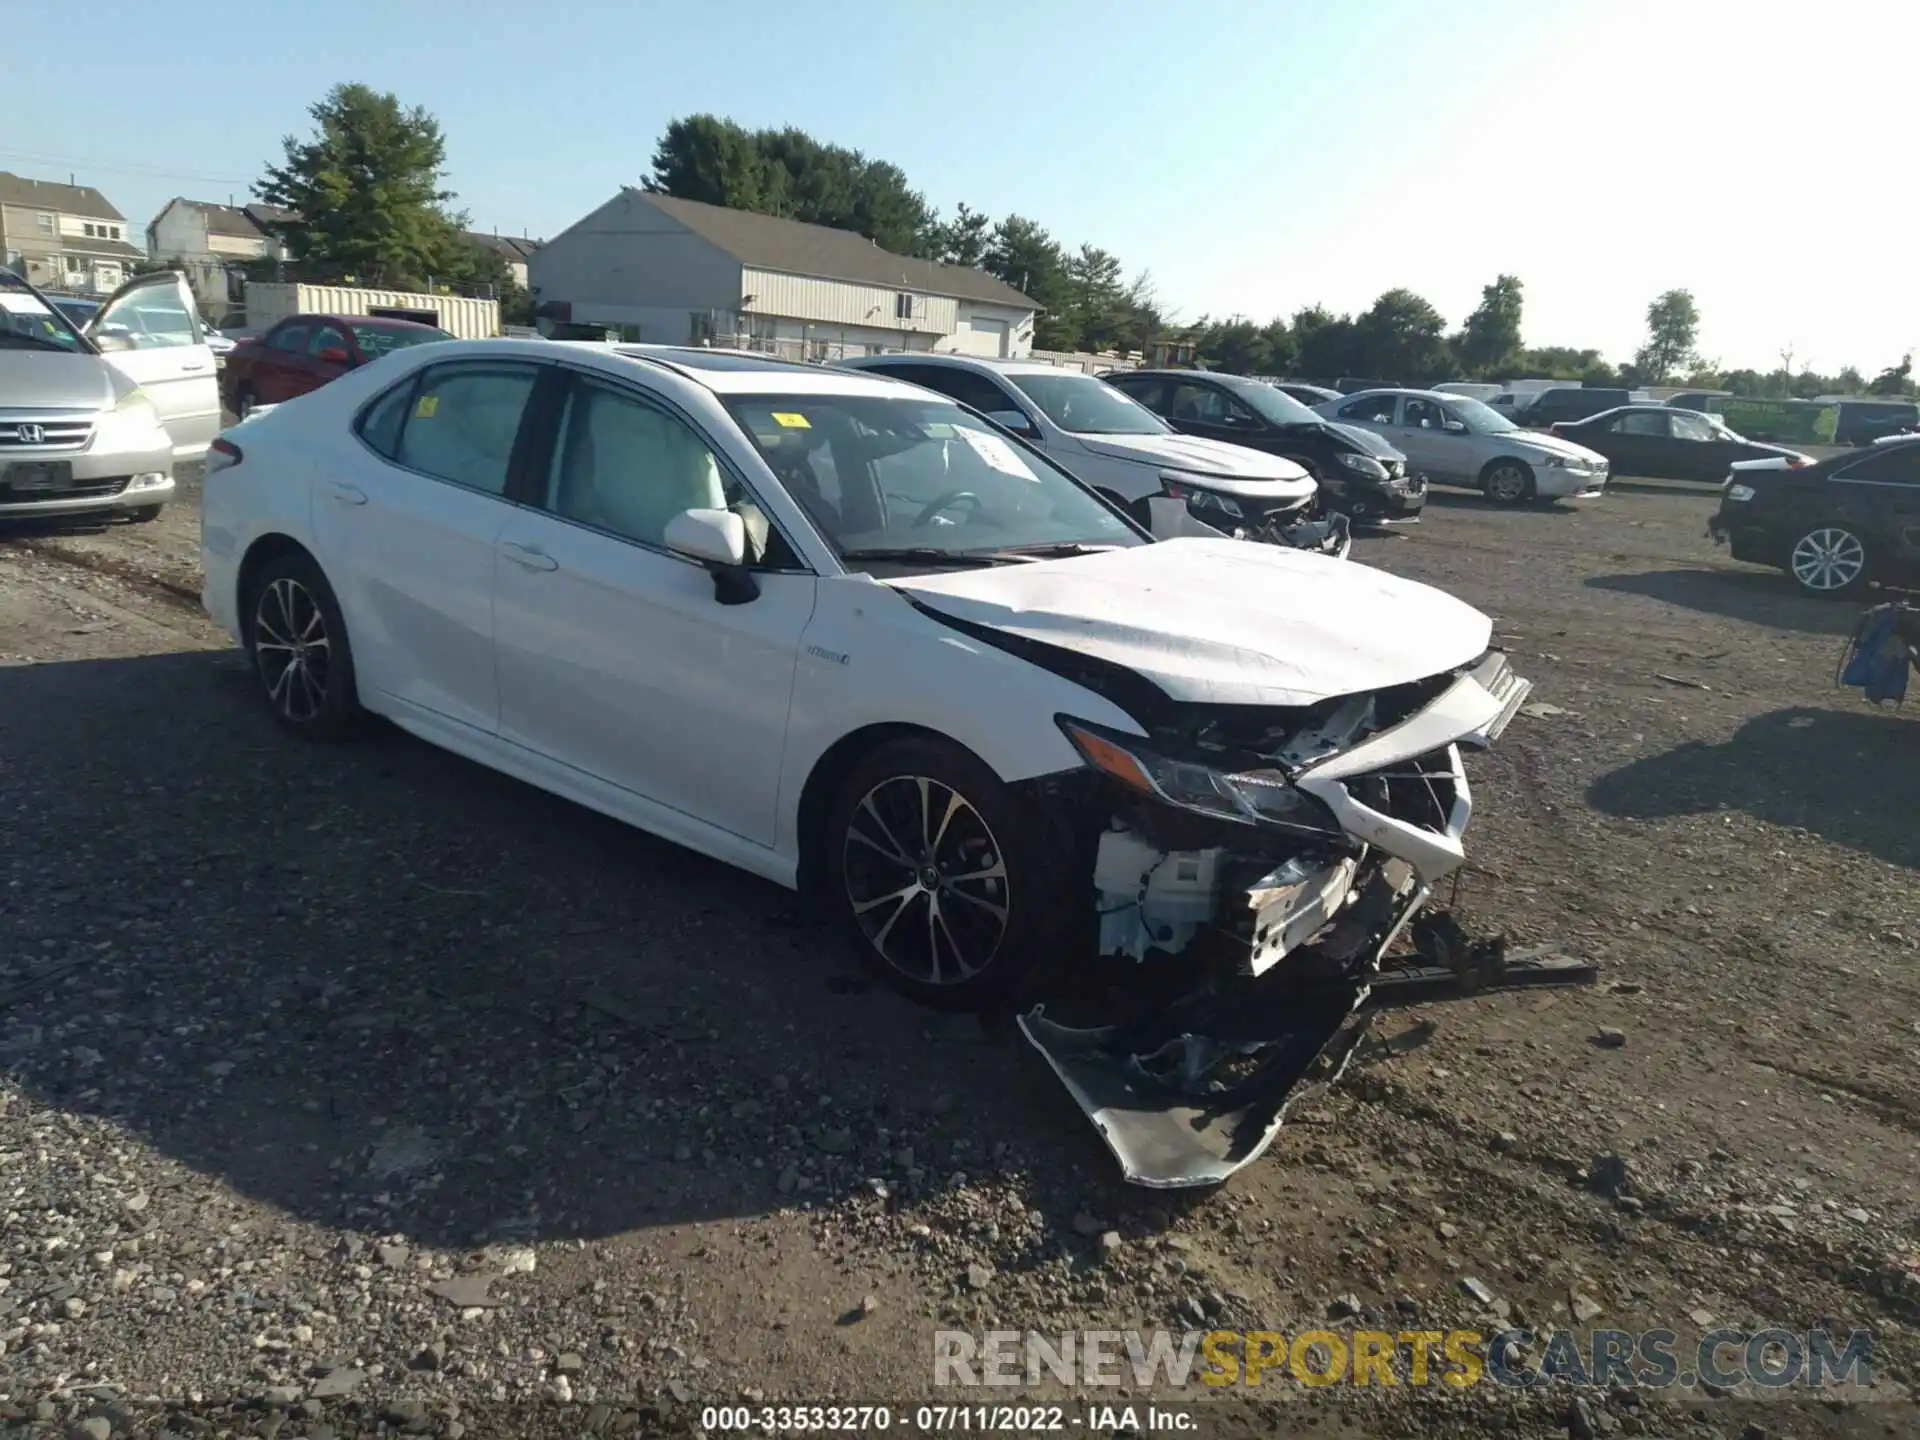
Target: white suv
{"type": "Point", "coordinates": [1111, 441]}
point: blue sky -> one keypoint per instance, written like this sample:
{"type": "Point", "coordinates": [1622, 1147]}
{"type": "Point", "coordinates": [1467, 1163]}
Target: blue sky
{"type": "Point", "coordinates": [1254, 157]}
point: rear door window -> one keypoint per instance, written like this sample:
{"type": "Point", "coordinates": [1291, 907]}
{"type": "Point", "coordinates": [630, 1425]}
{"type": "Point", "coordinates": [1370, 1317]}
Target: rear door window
{"type": "Point", "coordinates": [1370, 410]}
{"type": "Point", "coordinates": [459, 423]}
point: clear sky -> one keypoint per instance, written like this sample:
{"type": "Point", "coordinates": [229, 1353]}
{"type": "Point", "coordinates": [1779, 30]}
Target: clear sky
{"type": "Point", "coordinates": [1254, 155]}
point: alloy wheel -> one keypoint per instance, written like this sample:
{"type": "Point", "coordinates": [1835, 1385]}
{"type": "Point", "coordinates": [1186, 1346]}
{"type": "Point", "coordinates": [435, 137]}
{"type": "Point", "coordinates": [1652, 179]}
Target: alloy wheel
{"type": "Point", "coordinates": [926, 879]}
{"type": "Point", "coordinates": [1828, 559]}
{"type": "Point", "coordinates": [1507, 483]}
{"type": "Point", "coordinates": [291, 649]}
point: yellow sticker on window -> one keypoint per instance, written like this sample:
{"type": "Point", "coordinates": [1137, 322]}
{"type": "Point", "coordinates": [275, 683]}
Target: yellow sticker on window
{"type": "Point", "coordinates": [789, 420]}
{"type": "Point", "coordinates": [428, 404]}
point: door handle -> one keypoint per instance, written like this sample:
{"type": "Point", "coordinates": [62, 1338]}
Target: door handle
{"type": "Point", "coordinates": [348, 494]}
{"type": "Point", "coordinates": [527, 557]}
{"type": "Point", "coordinates": [195, 365]}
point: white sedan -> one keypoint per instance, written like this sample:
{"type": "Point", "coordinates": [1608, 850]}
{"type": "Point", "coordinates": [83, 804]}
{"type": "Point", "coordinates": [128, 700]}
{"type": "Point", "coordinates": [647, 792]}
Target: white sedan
{"type": "Point", "coordinates": [839, 632]}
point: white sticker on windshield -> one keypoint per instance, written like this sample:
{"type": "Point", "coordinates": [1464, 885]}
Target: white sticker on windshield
{"type": "Point", "coordinates": [17, 304]}
{"type": "Point", "coordinates": [999, 454]}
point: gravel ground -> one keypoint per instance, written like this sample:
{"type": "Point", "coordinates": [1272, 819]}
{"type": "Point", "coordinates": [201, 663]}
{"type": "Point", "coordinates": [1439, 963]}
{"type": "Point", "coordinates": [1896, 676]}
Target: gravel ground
{"type": "Point", "coordinates": [361, 1087]}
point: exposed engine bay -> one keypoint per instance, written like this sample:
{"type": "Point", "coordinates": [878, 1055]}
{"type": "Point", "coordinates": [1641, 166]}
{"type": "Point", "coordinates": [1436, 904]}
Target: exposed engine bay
{"type": "Point", "coordinates": [1254, 869]}
{"type": "Point", "coordinates": [1199, 514]}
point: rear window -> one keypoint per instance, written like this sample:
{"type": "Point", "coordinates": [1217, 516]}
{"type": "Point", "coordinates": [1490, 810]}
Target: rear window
{"type": "Point", "coordinates": [378, 340]}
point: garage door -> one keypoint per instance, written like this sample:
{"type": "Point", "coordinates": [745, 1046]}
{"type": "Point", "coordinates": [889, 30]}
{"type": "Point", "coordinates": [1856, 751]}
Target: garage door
{"type": "Point", "coordinates": [983, 337]}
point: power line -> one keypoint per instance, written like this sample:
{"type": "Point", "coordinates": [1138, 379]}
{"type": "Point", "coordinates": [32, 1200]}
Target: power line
{"type": "Point", "coordinates": [75, 163]}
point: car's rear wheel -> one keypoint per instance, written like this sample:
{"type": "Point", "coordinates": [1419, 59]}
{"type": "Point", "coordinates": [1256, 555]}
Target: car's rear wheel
{"type": "Point", "coordinates": [1829, 559]}
{"type": "Point", "coordinates": [1507, 482]}
{"type": "Point", "coordinates": [245, 401]}
{"type": "Point", "coordinates": [949, 885]}
{"type": "Point", "coordinates": [297, 643]}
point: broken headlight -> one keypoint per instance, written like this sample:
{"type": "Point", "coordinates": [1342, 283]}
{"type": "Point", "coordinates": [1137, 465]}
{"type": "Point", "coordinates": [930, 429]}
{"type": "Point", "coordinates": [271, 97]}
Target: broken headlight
{"type": "Point", "coordinates": [1250, 797]}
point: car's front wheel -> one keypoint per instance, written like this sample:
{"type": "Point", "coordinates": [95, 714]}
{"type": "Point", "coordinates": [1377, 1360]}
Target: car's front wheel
{"type": "Point", "coordinates": [947, 883]}
{"type": "Point", "coordinates": [1507, 482]}
{"type": "Point", "coordinates": [245, 402]}
{"type": "Point", "coordinates": [297, 643]}
{"type": "Point", "coordinates": [1829, 559]}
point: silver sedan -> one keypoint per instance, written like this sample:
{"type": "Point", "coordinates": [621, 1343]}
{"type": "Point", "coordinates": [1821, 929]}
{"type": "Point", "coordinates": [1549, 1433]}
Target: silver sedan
{"type": "Point", "coordinates": [1457, 441]}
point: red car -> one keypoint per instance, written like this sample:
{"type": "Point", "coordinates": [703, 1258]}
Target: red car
{"type": "Point", "coordinates": [304, 352]}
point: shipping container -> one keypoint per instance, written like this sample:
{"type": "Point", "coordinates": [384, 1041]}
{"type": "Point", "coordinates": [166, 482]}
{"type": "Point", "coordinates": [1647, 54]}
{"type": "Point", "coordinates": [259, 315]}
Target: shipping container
{"type": "Point", "coordinates": [269, 302]}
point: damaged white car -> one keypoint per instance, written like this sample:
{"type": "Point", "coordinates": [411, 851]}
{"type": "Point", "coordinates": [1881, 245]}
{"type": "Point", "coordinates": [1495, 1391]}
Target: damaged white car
{"type": "Point", "coordinates": [843, 634]}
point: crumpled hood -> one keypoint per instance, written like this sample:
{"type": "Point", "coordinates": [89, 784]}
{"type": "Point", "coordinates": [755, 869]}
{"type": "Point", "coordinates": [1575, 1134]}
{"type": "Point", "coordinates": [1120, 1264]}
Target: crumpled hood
{"type": "Point", "coordinates": [33, 379]}
{"type": "Point", "coordinates": [1370, 443]}
{"type": "Point", "coordinates": [1223, 621]}
{"type": "Point", "coordinates": [1198, 456]}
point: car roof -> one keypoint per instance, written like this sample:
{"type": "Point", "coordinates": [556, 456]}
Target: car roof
{"type": "Point", "coordinates": [964, 362]}
{"type": "Point", "coordinates": [1440, 395]}
{"type": "Point", "coordinates": [752, 374]}
{"type": "Point", "coordinates": [385, 322]}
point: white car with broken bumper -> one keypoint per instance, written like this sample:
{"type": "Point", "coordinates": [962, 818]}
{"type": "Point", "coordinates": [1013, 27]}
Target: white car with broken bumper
{"type": "Point", "coordinates": [840, 632]}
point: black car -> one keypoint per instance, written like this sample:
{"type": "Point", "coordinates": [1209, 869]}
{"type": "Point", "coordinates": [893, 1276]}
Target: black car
{"type": "Point", "coordinates": [1660, 441]}
{"type": "Point", "coordinates": [1360, 474]}
{"type": "Point", "coordinates": [1568, 402]}
{"type": "Point", "coordinates": [1307, 395]}
{"type": "Point", "coordinates": [1833, 526]}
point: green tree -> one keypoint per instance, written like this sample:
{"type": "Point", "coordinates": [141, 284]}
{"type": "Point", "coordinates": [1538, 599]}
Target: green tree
{"type": "Point", "coordinates": [1095, 298]}
{"type": "Point", "coordinates": [705, 158]}
{"type": "Point", "coordinates": [1326, 346]}
{"type": "Point", "coordinates": [1401, 337]}
{"type": "Point", "coordinates": [1276, 338]}
{"type": "Point", "coordinates": [1895, 379]}
{"type": "Point", "coordinates": [1673, 325]}
{"type": "Point", "coordinates": [1489, 342]}
{"type": "Point", "coordinates": [788, 172]}
{"type": "Point", "coordinates": [1024, 255]}
{"type": "Point", "coordinates": [1849, 381]}
{"type": "Point", "coordinates": [963, 240]}
{"type": "Point", "coordinates": [1141, 320]}
{"type": "Point", "coordinates": [366, 194]}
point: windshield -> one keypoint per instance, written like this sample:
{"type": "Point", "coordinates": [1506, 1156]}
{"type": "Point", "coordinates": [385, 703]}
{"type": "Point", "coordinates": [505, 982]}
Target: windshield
{"type": "Point", "coordinates": [1276, 407]}
{"type": "Point", "coordinates": [886, 474]}
{"type": "Point", "coordinates": [378, 340]}
{"type": "Point", "coordinates": [28, 323]}
{"type": "Point", "coordinates": [1082, 405]}
{"type": "Point", "coordinates": [1478, 418]}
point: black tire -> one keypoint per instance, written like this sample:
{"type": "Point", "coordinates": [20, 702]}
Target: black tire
{"type": "Point", "coordinates": [999, 912]}
{"type": "Point", "coordinates": [145, 514]}
{"type": "Point", "coordinates": [244, 400]}
{"type": "Point", "coordinates": [1507, 481]}
{"type": "Point", "coordinates": [298, 648]}
{"type": "Point", "coordinates": [1829, 560]}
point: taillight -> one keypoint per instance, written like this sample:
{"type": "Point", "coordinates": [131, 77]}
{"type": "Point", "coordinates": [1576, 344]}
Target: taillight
{"type": "Point", "coordinates": [1798, 462]}
{"type": "Point", "coordinates": [223, 455]}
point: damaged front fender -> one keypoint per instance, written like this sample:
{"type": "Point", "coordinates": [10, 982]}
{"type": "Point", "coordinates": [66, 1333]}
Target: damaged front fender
{"type": "Point", "coordinates": [1274, 939]}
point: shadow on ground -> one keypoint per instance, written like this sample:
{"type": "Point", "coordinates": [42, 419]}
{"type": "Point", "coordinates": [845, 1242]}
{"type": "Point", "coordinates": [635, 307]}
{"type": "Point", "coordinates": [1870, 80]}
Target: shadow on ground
{"type": "Point", "coordinates": [1847, 775]}
{"type": "Point", "coordinates": [378, 986]}
{"type": "Point", "coordinates": [1758, 597]}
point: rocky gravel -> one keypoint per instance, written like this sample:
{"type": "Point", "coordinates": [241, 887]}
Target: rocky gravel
{"type": "Point", "coordinates": [359, 1089]}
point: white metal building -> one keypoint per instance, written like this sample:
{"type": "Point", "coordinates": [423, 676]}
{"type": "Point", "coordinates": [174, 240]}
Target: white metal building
{"type": "Point", "coordinates": [679, 272]}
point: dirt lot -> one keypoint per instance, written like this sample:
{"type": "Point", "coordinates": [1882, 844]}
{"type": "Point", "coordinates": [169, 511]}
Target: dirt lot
{"type": "Point", "coordinates": [360, 1084]}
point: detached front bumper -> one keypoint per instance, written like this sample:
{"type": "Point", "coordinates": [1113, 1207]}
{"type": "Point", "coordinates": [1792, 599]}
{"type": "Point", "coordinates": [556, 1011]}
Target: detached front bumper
{"type": "Point", "coordinates": [1196, 1084]}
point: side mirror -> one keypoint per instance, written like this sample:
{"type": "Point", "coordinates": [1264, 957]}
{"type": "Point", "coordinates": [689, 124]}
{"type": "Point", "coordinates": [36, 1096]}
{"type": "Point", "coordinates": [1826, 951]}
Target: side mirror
{"type": "Point", "coordinates": [334, 355]}
{"type": "Point", "coordinates": [1454, 427]}
{"type": "Point", "coordinates": [1014, 420]}
{"type": "Point", "coordinates": [718, 540]}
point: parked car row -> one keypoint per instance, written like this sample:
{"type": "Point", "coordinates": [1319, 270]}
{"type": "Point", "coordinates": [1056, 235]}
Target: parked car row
{"type": "Point", "coordinates": [830, 626]}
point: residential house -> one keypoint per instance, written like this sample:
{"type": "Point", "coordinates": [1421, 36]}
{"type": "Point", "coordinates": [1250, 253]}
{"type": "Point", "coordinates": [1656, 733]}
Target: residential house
{"type": "Point", "coordinates": [63, 237]}
{"type": "Point", "coordinates": [516, 250]}
{"type": "Point", "coordinates": [213, 244]}
{"type": "Point", "coordinates": [650, 267]}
